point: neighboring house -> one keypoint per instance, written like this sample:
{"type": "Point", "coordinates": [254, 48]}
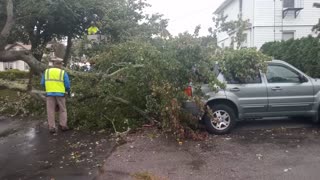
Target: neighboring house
{"type": "Point", "coordinates": [57, 47]}
{"type": "Point", "coordinates": [269, 20]}
{"type": "Point", "coordinates": [19, 65]}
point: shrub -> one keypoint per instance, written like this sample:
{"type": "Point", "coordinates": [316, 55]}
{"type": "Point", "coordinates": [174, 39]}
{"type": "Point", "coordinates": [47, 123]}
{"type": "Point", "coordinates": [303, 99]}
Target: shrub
{"type": "Point", "coordinates": [302, 53]}
{"type": "Point", "coordinates": [13, 74]}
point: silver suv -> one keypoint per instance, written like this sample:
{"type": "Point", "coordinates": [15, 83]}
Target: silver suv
{"type": "Point", "coordinates": [282, 91]}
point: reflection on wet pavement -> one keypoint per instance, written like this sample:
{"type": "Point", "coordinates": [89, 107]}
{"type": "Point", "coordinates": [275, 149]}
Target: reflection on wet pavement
{"type": "Point", "coordinates": [30, 152]}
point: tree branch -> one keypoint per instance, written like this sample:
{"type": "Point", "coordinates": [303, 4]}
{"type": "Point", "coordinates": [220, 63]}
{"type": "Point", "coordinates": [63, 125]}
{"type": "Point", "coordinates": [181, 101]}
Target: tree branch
{"type": "Point", "coordinates": [40, 95]}
{"type": "Point", "coordinates": [143, 113]}
{"type": "Point", "coordinates": [5, 32]}
{"type": "Point", "coordinates": [13, 85]}
{"type": "Point", "coordinates": [39, 67]}
{"type": "Point", "coordinates": [121, 70]}
{"type": "Point", "coordinates": [26, 56]}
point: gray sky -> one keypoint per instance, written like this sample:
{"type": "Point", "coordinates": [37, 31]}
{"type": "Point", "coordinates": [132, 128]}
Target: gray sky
{"type": "Point", "coordinates": [185, 15]}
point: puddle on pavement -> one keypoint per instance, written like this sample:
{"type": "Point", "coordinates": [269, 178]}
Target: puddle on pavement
{"type": "Point", "coordinates": [31, 134]}
{"type": "Point", "coordinates": [32, 152]}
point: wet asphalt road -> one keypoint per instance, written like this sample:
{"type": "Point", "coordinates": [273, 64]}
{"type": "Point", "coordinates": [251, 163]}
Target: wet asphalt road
{"type": "Point", "coordinates": [28, 151]}
{"type": "Point", "coordinates": [278, 149]}
{"type": "Point", "coordinates": [262, 150]}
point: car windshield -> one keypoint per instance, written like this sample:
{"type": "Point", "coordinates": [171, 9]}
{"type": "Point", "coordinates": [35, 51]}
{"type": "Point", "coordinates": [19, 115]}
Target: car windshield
{"type": "Point", "coordinates": [217, 72]}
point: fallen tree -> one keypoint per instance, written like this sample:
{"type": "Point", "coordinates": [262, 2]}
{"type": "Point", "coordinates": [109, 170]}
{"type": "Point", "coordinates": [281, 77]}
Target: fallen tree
{"type": "Point", "coordinates": [142, 80]}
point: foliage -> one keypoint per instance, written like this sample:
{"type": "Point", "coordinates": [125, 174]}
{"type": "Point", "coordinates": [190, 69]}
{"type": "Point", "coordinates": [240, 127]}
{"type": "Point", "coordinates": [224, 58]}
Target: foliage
{"type": "Point", "coordinates": [21, 104]}
{"type": "Point", "coordinates": [13, 74]}
{"type": "Point", "coordinates": [149, 81]}
{"type": "Point", "coordinates": [302, 53]}
{"type": "Point", "coordinates": [125, 19]}
{"type": "Point", "coordinates": [141, 72]}
{"type": "Point", "coordinates": [2, 14]}
{"type": "Point", "coordinates": [242, 64]}
{"type": "Point", "coordinates": [49, 20]}
{"type": "Point", "coordinates": [235, 28]}
{"type": "Point", "coordinates": [156, 88]}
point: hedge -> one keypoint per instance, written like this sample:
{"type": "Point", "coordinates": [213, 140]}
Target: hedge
{"type": "Point", "coordinates": [13, 74]}
{"type": "Point", "coordinates": [302, 53]}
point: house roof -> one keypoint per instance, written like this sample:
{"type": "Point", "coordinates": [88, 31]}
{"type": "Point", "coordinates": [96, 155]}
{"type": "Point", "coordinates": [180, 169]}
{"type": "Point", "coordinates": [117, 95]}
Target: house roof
{"type": "Point", "coordinates": [222, 6]}
{"type": "Point", "coordinates": [22, 46]}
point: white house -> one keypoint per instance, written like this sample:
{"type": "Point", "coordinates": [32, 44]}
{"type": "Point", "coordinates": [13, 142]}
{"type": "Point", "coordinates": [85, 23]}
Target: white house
{"type": "Point", "coordinates": [19, 65]}
{"type": "Point", "coordinates": [269, 20]}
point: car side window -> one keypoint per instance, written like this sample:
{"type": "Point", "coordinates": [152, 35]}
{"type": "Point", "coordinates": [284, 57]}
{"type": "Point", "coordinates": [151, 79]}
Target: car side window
{"type": "Point", "coordinates": [249, 80]}
{"type": "Point", "coordinates": [281, 74]}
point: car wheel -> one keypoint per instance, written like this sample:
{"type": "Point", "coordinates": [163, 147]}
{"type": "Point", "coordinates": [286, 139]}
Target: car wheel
{"type": "Point", "coordinates": [220, 120]}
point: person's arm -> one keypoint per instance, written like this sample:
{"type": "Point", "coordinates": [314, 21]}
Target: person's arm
{"type": "Point", "coordinates": [42, 81]}
{"type": "Point", "coordinates": [66, 82]}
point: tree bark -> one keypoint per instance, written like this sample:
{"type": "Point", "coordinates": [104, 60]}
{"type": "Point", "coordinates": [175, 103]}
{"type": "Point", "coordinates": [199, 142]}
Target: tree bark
{"type": "Point", "coordinates": [30, 80]}
{"type": "Point", "coordinates": [68, 51]}
{"type": "Point", "coordinates": [26, 56]}
{"type": "Point", "coordinates": [8, 26]}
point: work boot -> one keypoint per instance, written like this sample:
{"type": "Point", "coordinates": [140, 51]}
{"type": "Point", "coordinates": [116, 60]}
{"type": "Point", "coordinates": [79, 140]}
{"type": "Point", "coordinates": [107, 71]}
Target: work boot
{"type": "Point", "coordinates": [53, 130]}
{"type": "Point", "coordinates": [64, 128]}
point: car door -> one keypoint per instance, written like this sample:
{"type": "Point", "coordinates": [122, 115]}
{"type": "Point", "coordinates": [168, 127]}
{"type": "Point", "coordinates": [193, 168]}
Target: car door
{"type": "Point", "coordinates": [289, 91]}
{"type": "Point", "coordinates": [251, 96]}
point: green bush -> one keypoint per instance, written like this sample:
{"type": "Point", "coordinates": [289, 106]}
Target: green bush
{"type": "Point", "coordinates": [13, 74]}
{"type": "Point", "coordinates": [302, 53]}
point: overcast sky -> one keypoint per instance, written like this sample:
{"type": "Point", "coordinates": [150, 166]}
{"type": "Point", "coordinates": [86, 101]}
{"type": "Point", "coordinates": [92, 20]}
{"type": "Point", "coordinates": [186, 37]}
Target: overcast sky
{"type": "Point", "coordinates": [185, 15]}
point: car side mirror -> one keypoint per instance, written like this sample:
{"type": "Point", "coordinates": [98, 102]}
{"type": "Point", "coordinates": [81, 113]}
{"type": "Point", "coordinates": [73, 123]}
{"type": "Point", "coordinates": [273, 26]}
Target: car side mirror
{"type": "Point", "coordinates": [302, 79]}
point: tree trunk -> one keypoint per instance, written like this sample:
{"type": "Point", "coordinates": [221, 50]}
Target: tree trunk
{"type": "Point", "coordinates": [68, 51]}
{"type": "Point", "coordinates": [29, 87]}
{"type": "Point", "coordinates": [37, 53]}
{"type": "Point", "coordinates": [8, 26]}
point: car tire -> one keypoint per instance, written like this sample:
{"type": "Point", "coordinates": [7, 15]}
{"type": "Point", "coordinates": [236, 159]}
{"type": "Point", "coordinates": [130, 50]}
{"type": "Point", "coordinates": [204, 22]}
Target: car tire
{"type": "Point", "coordinates": [227, 119]}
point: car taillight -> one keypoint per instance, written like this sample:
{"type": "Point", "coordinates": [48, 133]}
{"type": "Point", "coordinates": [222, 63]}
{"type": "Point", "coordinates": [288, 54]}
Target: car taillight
{"type": "Point", "coordinates": [188, 91]}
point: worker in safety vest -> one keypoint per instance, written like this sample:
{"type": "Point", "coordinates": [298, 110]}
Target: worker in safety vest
{"type": "Point", "coordinates": [93, 29]}
{"type": "Point", "coordinates": [56, 82]}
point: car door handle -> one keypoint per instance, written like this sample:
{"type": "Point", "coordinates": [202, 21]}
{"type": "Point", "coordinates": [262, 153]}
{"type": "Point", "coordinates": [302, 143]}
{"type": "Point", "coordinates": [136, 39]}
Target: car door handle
{"type": "Point", "coordinates": [235, 89]}
{"type": "Point", "coordinates": [276, 89]}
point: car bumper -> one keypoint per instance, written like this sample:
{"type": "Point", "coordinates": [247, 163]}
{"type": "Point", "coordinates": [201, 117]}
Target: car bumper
{"type": "Point", "coordinates": [192, 108]}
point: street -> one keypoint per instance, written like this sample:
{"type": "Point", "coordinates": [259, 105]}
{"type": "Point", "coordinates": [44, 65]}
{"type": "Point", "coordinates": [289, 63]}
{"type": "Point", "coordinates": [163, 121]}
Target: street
{"type": "Point", "coordinates": [255, 150]}
{"type": "Point", "coordinates": [278, 149]}
{"type": "Point", "coordinates": [28, 151]}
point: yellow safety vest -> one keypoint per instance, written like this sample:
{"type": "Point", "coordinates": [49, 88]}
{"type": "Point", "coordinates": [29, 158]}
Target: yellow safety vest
{"type": "Point", "coordinates": [54, 80]}
{"type": "Point", "coordinates": [92, 30]}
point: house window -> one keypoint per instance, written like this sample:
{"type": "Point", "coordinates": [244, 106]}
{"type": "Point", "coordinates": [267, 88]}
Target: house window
{"type": "Point", "coordinates": [222, 45]}
{"type": "Point", "coordinates": [245, 40]}
{"type": "Point", "coordinates": [8, 66]}
{"type": "Point", "coordinates": [288, 3]}
{"type": "Point", "coordinates": [287, 35]}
